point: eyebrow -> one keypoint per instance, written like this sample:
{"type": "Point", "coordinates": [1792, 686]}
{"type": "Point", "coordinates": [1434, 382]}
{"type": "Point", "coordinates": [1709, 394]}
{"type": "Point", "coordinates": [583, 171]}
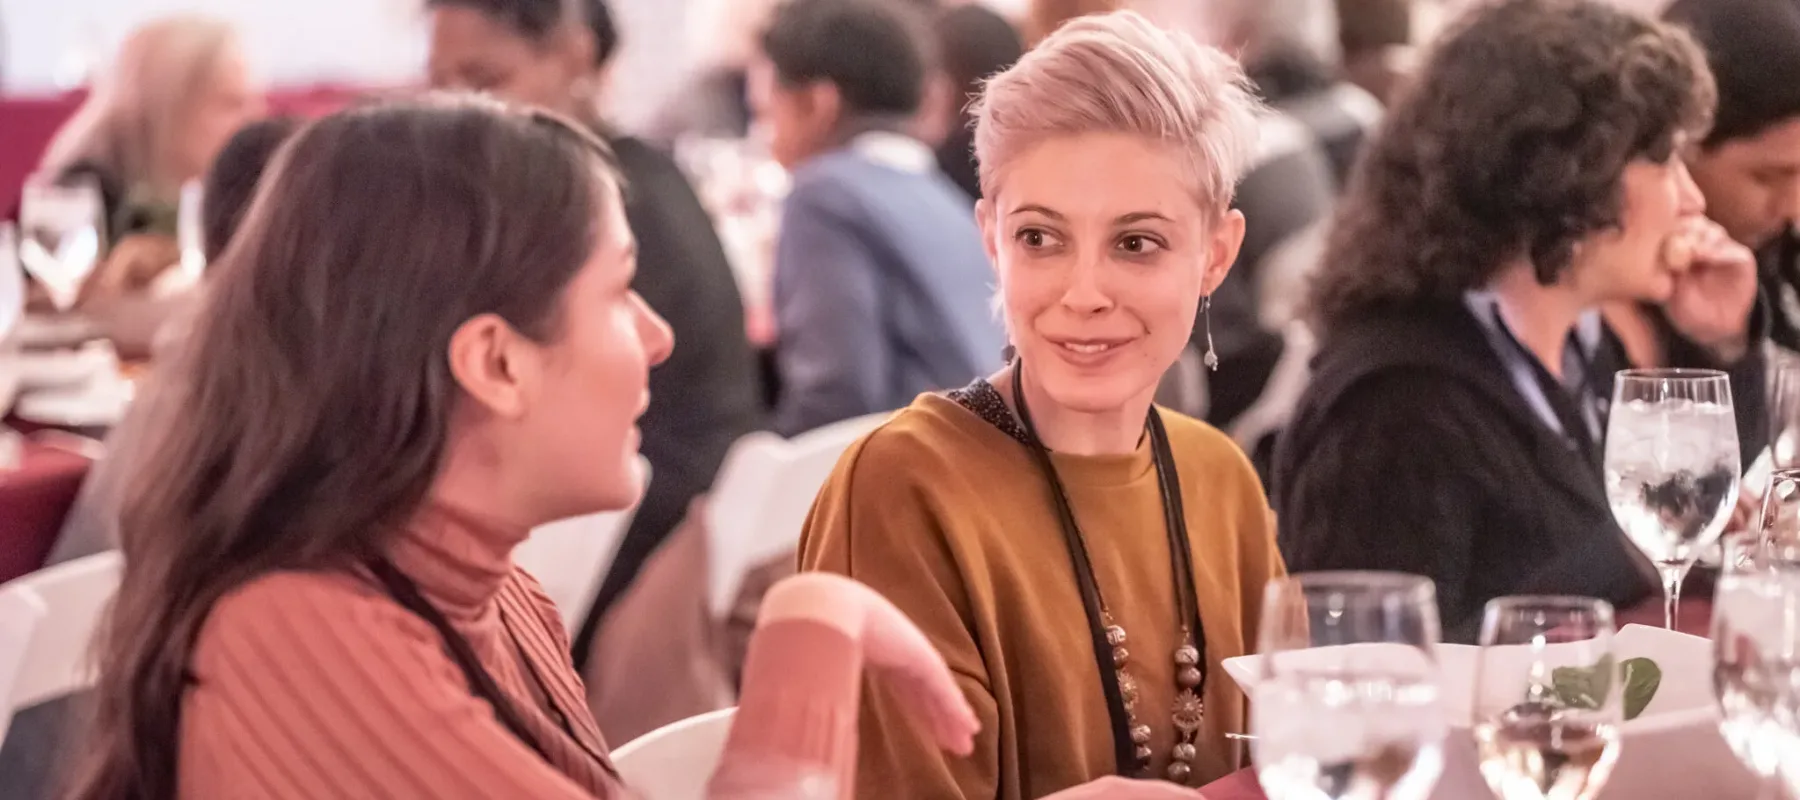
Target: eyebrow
{"type": "Point", "coordinates": [1122, 219]}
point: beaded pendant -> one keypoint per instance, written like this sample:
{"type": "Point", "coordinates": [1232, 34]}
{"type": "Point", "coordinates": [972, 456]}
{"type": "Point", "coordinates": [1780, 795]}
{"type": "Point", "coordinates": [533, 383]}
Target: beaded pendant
{"type": "Point", "coordinates": [1188, 712]}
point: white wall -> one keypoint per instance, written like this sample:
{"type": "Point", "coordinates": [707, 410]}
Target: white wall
{"type": "Point", "coordinates": [298, 42]}
{"type": "Point", "coordinates": [289, 42]}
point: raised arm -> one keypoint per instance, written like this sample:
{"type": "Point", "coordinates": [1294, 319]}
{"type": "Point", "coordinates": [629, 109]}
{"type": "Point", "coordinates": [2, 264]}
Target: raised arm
{"type": "Point", "coordinates": [796, 721]}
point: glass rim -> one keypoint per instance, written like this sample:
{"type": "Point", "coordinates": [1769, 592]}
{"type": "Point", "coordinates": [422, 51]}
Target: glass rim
{"type": "Point", "coordinates": [1549, 602]}
{"type": "Point", "coordinates": [1671, 374]}
{"type": "Point", "coordinates": [1359, 580]}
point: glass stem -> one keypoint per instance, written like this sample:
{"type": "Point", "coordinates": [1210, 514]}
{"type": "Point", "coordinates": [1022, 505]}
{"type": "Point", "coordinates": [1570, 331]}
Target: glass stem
{"type": "Point", "coordinates": [1671, 576]}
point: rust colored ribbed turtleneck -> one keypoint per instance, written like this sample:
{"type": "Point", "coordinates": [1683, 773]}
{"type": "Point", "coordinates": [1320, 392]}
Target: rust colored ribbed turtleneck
{"type": "Point", "coordinates": [320, 685]}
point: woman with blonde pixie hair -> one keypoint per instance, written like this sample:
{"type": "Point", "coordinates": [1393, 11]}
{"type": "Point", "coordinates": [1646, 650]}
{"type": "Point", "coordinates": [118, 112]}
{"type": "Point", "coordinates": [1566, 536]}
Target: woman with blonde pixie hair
{"type": "Point", "coordinates": [1083, 560]}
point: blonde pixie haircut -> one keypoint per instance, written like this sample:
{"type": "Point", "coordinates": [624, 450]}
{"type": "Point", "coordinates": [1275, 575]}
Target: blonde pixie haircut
{"type": "Point", "coordinates": [1119, 73]}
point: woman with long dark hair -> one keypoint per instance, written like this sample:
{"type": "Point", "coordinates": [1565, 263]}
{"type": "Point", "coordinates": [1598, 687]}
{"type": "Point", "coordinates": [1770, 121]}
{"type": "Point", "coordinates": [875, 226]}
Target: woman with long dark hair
{"type": "Point", "coordinates": [421, 344]}
{"type": "Point", "coordinates": [556, 54]}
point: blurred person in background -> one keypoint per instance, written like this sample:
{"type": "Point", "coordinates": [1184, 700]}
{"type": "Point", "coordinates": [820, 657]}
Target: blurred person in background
{"type": "Point", "coordinates": [1379, 39]}
{"type": "Point", "coordinates": [1749, 165]}
{"type": "Point", "coordinates": [553, 54]}
{"type": "Point", "coordinates": [973, 43]}
{"type": "Point", "coordinates": [715, 100]}
{"type": "Point", "coordinates": [177, 89]}
{"type": "Point", "coordinates": [1292, 52]}
{"type": "Point", "coordinates": [421, 345]}
{"type": "Point", "coordinates": [881, 286]}
{"type": "Point", "coordinates": [1454, 421]}
{"type": "Point", "coordinates": [1045, 16]}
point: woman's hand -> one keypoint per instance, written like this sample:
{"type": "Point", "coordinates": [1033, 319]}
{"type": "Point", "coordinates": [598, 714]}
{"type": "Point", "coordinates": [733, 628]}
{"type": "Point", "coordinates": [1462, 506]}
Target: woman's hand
{"type": "Point", "coordinates": [894, 649]}
{"type": "Point", "coordinates": [1715, 287]}
{"type": "Point", "coordinates": [130, 267]}
{"type": "Point", "coordinates": [1126, 789]}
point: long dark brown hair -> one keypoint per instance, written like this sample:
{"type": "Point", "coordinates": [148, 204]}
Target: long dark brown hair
{"type": "Point", "coordinates": [306, 416]}
{"type": "Point", "coordinates": [1512, 142]}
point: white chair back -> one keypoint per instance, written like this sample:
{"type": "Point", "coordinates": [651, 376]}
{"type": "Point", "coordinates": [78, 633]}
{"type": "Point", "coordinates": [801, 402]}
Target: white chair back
{"type": "Point", "coordinates": [20, 612]}
{"type": "Point", "coordinates": [675, 762]}
{"type": "Point", "coordinates": [570, 557]}
{"type": "Point", "coordinates": [75, 596]}
{"type": "Point", "coordinates": [763, 493]}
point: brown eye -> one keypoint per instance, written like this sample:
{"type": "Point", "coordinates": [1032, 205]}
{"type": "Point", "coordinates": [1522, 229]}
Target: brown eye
{"type": "Point", "coordinates": [1139, 245]}
{"type": "Point", "coordinates": [1034, 239]}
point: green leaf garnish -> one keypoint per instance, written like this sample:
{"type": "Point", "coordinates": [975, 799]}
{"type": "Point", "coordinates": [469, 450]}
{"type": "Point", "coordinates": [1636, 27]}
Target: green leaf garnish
{"type": "Point", "coordinates": [1586, 688]}
{"type": "Point", "coordinates": [1583, 688]}
{"type": "Point", "coordinates": [1642, 677]}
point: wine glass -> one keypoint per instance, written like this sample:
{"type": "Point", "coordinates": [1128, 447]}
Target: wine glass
{"type": "Point", "coordinates": [1784, 409]}
{"type": "Point", "coordinates": [1756, 659]}
{"type": "Point", "coordinates": [190, 234]}
{"type": "Point", "coordinates": [1547, 698]}
{"type": "Point", "coordinates": [63, 232]}
{"type": "Point", "coordinates": [1672, 467]}
{"type": "Point", "coordinates": [1349, 702]}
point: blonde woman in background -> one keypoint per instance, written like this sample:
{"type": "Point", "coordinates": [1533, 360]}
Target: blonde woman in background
{"type": "Point", "coordinates": [177, 90]}
{"type": "Point", "coordinates": [155, 118]}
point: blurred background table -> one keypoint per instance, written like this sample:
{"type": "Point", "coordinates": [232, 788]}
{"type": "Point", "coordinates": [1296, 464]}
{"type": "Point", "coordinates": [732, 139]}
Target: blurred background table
{"type": "Point", "coordinates": [34, 498]}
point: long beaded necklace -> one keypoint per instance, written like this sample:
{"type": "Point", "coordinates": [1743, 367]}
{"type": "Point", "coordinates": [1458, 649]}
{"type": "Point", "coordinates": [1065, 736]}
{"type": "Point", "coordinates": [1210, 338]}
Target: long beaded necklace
{"type": "Point", "coordinates": [1131, 737]}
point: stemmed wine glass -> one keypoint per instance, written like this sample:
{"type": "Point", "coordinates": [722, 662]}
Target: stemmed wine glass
{"type": "Point", "coordinates": [190, 234]}
{"type": "Point", "coordinates": [1784, 409]}
{"type": "Point", "coordinates": [63, 232]}
{"type": "Point", "coordinates": [1672, 467]}
{"type": "Point", "coordinates": [1756, 659]}
{"type": "Point", "coordinates": [1349, 702]}
{"type": "Point", "coordinates": [1547, 698]}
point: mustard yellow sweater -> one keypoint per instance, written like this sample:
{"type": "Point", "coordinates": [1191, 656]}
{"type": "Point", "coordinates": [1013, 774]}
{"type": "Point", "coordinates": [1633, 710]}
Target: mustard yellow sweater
{"type": "Point", "coordinates": [951, 519]}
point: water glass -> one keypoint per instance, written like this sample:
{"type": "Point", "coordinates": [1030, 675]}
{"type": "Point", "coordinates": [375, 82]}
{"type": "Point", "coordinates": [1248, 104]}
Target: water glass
{"type": "Point", "coordinates": [63, 229]}
{"type": "Point", "coordinates": [1756, 661]}
{"type": "Point", "coordinates": [1672, 467]}
{"type": "Point", "coordinates": [1547, 698]}
{"type": "Point", "coordinates": [1784, 409]}
{"type": "Point", "coordinates": [1349, 703]}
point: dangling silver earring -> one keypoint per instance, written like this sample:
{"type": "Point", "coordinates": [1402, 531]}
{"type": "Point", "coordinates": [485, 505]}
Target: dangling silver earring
{"type": "Point", "coordinates": [1008, 353]}
{"type": "Point", "coordinates": [1211, 358]}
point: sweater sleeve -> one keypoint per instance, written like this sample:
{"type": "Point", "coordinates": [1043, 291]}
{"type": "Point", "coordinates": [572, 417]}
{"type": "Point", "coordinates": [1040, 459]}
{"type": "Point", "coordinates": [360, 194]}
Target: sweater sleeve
{"type": "Point", "coordinates": [796, 719]}
{"type": "Point", "coordinates": [831, 355]}
{"type": "Point", "coordinates": [873, 523]}
{"type": "Point", "coordinates": [312, 686]}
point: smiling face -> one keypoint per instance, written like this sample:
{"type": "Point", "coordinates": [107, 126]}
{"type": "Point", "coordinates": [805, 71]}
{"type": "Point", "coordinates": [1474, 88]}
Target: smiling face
{"type": "Point", "coordinates": [1103, 252]}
